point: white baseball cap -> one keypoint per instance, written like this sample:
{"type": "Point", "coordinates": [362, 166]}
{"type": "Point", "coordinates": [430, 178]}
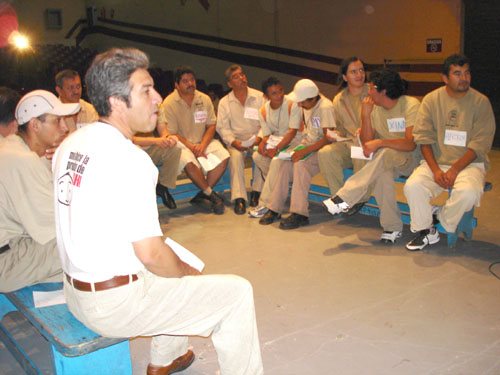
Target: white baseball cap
{"type": "Point", "coordinates": [304, 89]}
{"type": "Point", "coordinates": [40, 102]}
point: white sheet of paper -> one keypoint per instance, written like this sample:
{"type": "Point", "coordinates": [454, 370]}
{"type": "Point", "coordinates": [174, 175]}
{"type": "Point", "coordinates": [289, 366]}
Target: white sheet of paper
{"type": "Point", "coordinates": [181, 145]}
{"type": "Point", "coordinates": [284, 156]}
{"type": "Point", "coordinates": [209, 163]}
{"type": "Point", "coordinates": [273, 141]}
{"type": "Point", "coordinates": [185, 255]}
{"type": "Point", "coordinates": [335, 136]}
{"type": "Point", "coordinates": [455, 138]}
{"type": "Point", "coordinates": [357, 153]}
{"type": "Point", "coordinates": [44, 299]}
{"type": "Point", "coordinates": [251, 113]}
{"type": "Point", "coordinates": [249, 142]}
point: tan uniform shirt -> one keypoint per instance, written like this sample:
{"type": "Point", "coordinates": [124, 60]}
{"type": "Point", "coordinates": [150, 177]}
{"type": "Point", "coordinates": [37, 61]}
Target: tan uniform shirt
{"type": "Point", "coordinates": [348, 117]}
{"type": "Point", "coordinates": [392, 123]}
{"type": "Point", "coordinates": [279, 121]}
{"type": "Point", "coordinates": [87, 115]}
{"type": "Point", "coordinates": [26, 193]}
{"type": "Point", "coordinates": [444, 122]}
{"type": "Point", "coordinates": [235, 121]}
{"type": "Point", "coordinates": [319, 117]}
{"type": "Point", "coordinates": [189, 122]}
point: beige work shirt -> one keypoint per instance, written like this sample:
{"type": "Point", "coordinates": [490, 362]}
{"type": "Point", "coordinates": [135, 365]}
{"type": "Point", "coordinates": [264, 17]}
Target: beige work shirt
{"type": "Point", "coordinates": [348, 117]}
{"type": "Point", "coordinates": [316, 119]}
{"type": "Point", "coordinates": [279, 121]}
{"type": "Point", "coordinates": [87, 115]}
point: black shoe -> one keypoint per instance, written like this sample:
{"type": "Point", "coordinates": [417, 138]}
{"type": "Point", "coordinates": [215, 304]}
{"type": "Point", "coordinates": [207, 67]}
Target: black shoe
{"type": "Point", "coordinates": [269, 217]}
{"type": "Point", "coordinates": [166, 197]}
{"type": "Point", "coordinates": [217, 203]}
{"type": "Point", "coordinates": [200, 198]}
{"type": "Point", "coordinates": [294, 221]}
{"type": "Point", "coordinates": [254, 198]}
{"type": "Point", "coordinates": [239, 206]}
{"type": "Point", "coordinates": [355, 209]}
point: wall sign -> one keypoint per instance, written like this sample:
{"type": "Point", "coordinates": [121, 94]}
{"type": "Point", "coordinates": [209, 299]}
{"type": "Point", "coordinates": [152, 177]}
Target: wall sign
{"type": "Point", "coordinates": [434, 45]}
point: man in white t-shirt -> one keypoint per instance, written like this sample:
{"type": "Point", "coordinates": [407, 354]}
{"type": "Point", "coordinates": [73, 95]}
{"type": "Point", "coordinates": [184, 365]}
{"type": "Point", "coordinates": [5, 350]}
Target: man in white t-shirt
{"type": "Point", "coordinates": [121, 279]}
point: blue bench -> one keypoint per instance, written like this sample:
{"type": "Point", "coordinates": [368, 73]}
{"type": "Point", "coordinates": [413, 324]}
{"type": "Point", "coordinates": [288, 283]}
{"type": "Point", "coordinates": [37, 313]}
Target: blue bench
{"type": "Point", "coordinates": [466, 226]}
{"type": "Point", "coordinates": [75, 349]}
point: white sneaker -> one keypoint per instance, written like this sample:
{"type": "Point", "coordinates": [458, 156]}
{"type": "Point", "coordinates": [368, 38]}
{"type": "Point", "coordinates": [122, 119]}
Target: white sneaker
{"type": "Point", "coordinates": [423, 238]}
{"type": "Point", "coordinates": [390, 236]}
{"type": "Point", "coordinates": [258, 211]}
{"type": "Point", "coordinates": [434, 211]}
{"type": "Point", "coordinates": [336, 205]}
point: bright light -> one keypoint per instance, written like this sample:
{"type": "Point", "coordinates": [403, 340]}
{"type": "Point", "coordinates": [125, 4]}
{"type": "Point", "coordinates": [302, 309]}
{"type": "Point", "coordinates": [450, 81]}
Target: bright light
{"type": "Point", "coordinates": [19, 40]}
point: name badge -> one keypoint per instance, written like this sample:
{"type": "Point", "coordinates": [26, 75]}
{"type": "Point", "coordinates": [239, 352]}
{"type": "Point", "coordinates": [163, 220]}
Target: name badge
{"type": "Point", "coordinates": [396, 125]}
{"type": "Point", "coordinates": [251, 113]}
{"type": "Point", "coordinates": [455, 138]}
{"type": "Point", "coordinates": [316, 122]}
{"type": "Point", "coordinates": [200, 117]}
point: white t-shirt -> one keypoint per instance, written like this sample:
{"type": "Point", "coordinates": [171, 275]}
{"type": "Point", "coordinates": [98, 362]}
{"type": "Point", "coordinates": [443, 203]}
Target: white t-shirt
{"type": "Point", "coordinates": [104, 192]}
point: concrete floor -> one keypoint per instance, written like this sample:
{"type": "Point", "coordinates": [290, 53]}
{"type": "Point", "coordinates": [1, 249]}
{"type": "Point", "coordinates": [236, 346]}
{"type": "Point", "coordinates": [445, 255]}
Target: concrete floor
{"type": "Point", "coordinates": [331, 299]}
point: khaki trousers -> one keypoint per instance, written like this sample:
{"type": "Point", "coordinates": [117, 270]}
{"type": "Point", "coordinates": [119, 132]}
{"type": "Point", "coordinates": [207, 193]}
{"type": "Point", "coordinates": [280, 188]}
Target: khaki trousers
{"type": "Point", "coordinates": [301, 174]}
{"type": "Point", "coordinates": [237, 174]}
{"type": "Point", "coordinates": [168, 158]}
{"type": "Point", "coordinates": [27, 263]}
{"type": "Point", "coordinates": [170, 309]}
{"type": "Point", "coordinates": [333, 159]}
{"type": "Point", "coordinates": [378, 174]}
{"type": "Point", "coordinates": [420, 188]}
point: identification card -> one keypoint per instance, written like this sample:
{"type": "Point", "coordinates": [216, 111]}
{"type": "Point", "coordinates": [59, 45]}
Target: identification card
{"type": "Point", "coordinates": [455, 138]}
{"type": "Point", "coordinates": [251, 113]}
{"type": "Point", "coordinates": [200, 117]}
{"type": "Point", "coordinates": [316, 122]}
{"type": "Point", "coordinates": [396, 125]}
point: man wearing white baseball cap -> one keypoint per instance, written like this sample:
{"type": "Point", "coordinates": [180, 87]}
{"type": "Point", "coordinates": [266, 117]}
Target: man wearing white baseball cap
{"type": "Point", "coordinates": [317, 112]}
{"type": "Point", "coordinates": [28, 247]}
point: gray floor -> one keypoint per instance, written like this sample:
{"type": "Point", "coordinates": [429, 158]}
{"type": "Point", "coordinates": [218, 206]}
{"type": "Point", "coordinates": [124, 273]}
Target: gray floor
{"type": "Point", "coordinates": [331, 299]}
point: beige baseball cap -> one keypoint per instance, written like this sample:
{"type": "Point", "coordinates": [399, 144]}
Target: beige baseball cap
{"type": "Point", "coordinates": [304, 89]}
{"type": "Point", "coordinates": [40, 102]}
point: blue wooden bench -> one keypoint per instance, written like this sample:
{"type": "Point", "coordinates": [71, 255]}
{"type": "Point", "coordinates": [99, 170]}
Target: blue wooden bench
{"type": "Point", "coordinates": [75, 349]}
{"type": "Point", "coordinates": [466, 226]}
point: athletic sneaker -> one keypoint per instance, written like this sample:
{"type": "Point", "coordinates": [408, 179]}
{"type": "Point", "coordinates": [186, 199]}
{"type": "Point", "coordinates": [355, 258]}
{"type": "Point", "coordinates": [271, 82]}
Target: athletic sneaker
{"type": "Point", "coordinates": [336, 205]}
{"type": "Point", "coordinates": [388, 236]}
{"type": "Point", "coordinates": [435, 220]}
{"type": "Point", "coordinates": [423, 238]}
{"type": "Point", "coordinates": [259, 211]}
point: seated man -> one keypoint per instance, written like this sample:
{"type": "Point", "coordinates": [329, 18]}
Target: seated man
{"type": "Point", "coordinates": [121, 279]}
{"type": "Point", "coordinates": [280, 118]}
{"type": "Point", "coordinates": [454, 128]}
{"type": "Point", "coordinates": [69, 89]}
{"type": "Point", "coordinates": [303, 166]}
{"type": "Point", "coordinates": [160, 146]}
{"type": "Point", "coordinates": [8, 101]}
{"type": "Point", "coordinates": [189, 115]}
{"type": "Point", "coordinates": [28, 247]}
{"type": "Point", "coordinates": [237, 122]}
{"type": "Point", "coordinates": [387, 119]}
{"type": "Point", "coordinates": [336, 157]}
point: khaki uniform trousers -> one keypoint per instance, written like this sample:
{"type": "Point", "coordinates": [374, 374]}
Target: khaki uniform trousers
{"type": "Point", "coordinates": [333, 159]}
{"type": "Point", "coordinates": [270, 168]}
{"type": "Point", "coordinates": [378, 174]}
{"type": "Point", "coordinates": [27, 263]}
{"type": "Point", "coordinates": [301, 174]}
{"type": "Point", "coordinates": [168, 158]}
{"type": "Point", "coordinates": [237, 174]}
{"type": "Point", "coordinates": [170, 309]}
{"type": "Point", "coordinates": [420, 188]}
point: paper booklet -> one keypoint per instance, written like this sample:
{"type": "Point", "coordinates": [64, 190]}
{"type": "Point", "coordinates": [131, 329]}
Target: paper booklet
{"type": "Point", "coordinates": [249, 142]}
{"type": "Point", "coordinates": [209, 163]}
{"type": "Point", "coordinates": [185, 255]}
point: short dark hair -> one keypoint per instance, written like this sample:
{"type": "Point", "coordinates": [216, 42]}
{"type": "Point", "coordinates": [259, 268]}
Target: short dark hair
{"type": "Point", "coordinates": [390, 81]}
{"type": "Point", "coordinates": [344, 65]}
{"type": "Point", "coordinates": [109, 75]}
{"type": "Point", "coordinates": [8, 102]}
{"type": "Point", "coordinates": [65, 74]}
{"type": "Point", "coordinates": [271, 81]}
{"type": "Point", "coordinates": [23, 128]}
{"type": "Point", "coordinates": [455, 59]}
{"type": "Point", "coordinates": [181, 70]}
{"type": "Point", "coordinates": [230, 70]}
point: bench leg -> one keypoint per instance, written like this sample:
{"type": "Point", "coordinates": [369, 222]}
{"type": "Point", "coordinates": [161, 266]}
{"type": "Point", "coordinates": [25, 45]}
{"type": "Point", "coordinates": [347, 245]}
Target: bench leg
{"type": "Point", "coordinates": [113, 360]}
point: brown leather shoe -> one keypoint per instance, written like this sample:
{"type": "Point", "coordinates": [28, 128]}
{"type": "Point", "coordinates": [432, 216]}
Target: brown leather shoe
{"type": "Point", "coordinates": [179, 364]}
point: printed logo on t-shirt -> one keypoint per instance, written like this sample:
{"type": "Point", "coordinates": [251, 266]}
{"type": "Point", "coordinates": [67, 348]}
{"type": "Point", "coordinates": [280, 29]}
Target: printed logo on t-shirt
{"type": "Point", "coordinates": [72, 177]}
{"type": "Point", "coordinates": [452, 119]}
{"type": "Point", "coordinates": [396, 125]}
{"type": "Point", "coordinates": [316, 122]}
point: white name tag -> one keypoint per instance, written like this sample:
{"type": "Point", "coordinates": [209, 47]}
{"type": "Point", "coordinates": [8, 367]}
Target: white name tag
{"type": "Point", "coordinates": [455, 138]}
{"type": "Point", "coordinates": [251, 113]}
{"type": "Point", "coordinates": [396, 125]}
{"type": "Point", "coordinates": [316, 122]}
{"type": "Point", "coordinates": [200, 117]}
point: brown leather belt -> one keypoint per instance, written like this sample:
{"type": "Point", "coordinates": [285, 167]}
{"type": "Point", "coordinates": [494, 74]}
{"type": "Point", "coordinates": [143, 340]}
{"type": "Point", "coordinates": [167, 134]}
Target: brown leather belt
{"type": "Point", "coordinates": [101, 285]}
